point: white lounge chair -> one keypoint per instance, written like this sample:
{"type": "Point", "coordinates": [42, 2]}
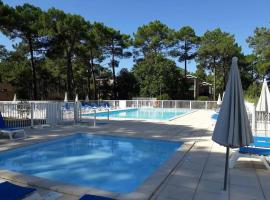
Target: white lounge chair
{"type": "Point", "coordinates": [11, 132]}
{"type": "Point", "coordinates": [259, 149]}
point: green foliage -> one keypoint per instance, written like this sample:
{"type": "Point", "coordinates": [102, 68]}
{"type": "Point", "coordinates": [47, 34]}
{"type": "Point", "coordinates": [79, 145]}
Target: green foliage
{"type": "Point", "coordinates": [23, 22]}
{"type": "Point", "coordinates": [203, 98]}
{"type": "Point", "coordinates": [185, 45]}
{"type": "Point", "coordinates": [252, 94]}
{"type": "Point", "coordinates": [64, 32]}
{"type": "Point", "coordinates": [259, 42]}
{"type": "Point", "coordinates": [3, 52]}
{"type": "Point", "coordinates": [115, 48]}
{"type": "Point", "coordinates": [157, 75]}
{"type": "Point", "coordinates": [127, 84]}
{"type": "Point", "coordinates": [152, 38]}
{"type": "Point", "coordinates": [215, 54]}
{"type": "Point", "coordinates": [90, 53]}
{"type": "Point", "coordinates": [164, 97]}
{"type": "Point", "coordinates": [56, 52]}
{"type": "Point", "coordinates": [200, 73]}
{"type": "Point", "coordinates": [14, 69]}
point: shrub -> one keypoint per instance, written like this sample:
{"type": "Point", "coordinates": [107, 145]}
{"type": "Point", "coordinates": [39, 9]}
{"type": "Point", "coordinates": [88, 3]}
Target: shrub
{"type": "Point", "coordinates": [164, 97]}
{"type": "Point", "coordinates": [203, 98]}
{"type": "Point", "coordinates": [252, 94]}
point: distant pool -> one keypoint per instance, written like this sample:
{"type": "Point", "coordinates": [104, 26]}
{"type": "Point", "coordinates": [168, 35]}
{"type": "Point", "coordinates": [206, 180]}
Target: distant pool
{"type": "Point", "coordinates": [155, 114]}
{"type": "Point", "coordinates": [116, 164]}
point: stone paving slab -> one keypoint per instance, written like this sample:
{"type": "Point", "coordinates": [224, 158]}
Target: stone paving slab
{"type": "Point", "coordinates": [198, 176]}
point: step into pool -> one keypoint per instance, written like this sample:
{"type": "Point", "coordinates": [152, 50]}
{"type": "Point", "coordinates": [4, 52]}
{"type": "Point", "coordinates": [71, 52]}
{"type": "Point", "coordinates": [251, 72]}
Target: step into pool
{"type": "Point", "coordinates": [111, 163]}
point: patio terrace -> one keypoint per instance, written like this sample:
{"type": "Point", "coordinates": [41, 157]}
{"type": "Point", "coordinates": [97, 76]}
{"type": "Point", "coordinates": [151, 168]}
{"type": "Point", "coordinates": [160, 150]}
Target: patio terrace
{"type": "Point", "coordinates": [198, 175]}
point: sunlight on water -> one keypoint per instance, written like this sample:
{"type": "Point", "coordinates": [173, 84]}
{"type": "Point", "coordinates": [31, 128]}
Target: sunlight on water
{"type": "Point", "coordinates": [116, 164]}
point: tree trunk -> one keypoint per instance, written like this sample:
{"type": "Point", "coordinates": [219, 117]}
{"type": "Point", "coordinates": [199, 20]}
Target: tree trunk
{"type": "Point", "coordinates": [114, 79]}
{"type": "Point", "coordinates": [224, 75]}
{"type": "Point", "coordinates": [72, 90]}
{"type": "Point", "coordinates": [69, 77]}
{"type": "Point", "coordinates": [88, 82]}
{"type": "Point", "coordinates": [185, 59]}
{"type": "Point", "coordinates": [186, 93]}
{"type": "Point", "coordinates": [91, 67]}
{"type": "Point", "coordinates": [185, 68]}
{"type": "Point", "coordinates": [214, 80]}
{"type": "Point", "coordinates": [34, 76]}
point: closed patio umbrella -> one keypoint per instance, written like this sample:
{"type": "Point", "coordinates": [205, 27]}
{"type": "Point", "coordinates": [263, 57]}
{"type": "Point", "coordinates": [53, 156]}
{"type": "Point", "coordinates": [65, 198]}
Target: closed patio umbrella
{"type": "Point", "coordinates": [14, 98]}
{"type": "Point", "coordinates": [232, 129]}
{"type": "Point", "coordinates": [263, 104]}
{"type": "Point", "coordinates": [86, 98]}
{"type": "Point", "coordinates": [219, 102]}
{"type": "Point", "coordinates": [76, 98]}
{"type": "Point", "coordinates": [66, 97]}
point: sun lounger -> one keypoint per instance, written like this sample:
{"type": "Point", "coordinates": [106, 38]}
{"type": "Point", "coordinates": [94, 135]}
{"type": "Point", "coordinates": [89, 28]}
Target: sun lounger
{"type": "Point", "coordinates": [259, 149]}
{"type": "Point", "coordinates": [10, 191]}
{"type": "Point", "coordinates": [94, 197]}
{"type": "Point", "coordinates": [11, 132]}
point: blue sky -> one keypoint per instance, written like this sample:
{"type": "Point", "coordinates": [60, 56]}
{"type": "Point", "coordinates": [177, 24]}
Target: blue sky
{"type": "Point", "coordinates": [239, 17]}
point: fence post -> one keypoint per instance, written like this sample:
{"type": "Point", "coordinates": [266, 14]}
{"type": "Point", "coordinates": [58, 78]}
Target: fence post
{"type": "Point", "coordinates": [60, 112]}
{"type": "Point", "coordinates": [32, 115]}
{"type": "Point", "coordinates": [75, 109]}
{"type": "Point", "coordinates": [190, 105]}
{"type": "Point", "coordinates": [206, 105]}
{"type": "Point", "coordinates": [108, 116]}
{"type": "Point", "coordinates": [253, 120]}
{"type": "Point", "coordinates": [95, 117]}
{"type": "Point", "coordinates": [80, 111]}
{"type": "Point", "coordinates": [174, 103]}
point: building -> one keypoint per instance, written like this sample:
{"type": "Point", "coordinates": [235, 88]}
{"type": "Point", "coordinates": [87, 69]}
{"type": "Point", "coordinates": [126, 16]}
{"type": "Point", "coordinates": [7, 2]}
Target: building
{"type": "Point", "coordinates": [199, 88]}
{"type": "Point", "coordinates": [6, 92]}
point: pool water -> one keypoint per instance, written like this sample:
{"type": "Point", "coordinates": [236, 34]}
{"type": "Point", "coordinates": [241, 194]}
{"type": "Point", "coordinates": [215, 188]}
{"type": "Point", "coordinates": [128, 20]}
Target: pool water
{"type": "Point", "coordinates": [116, 164]}
{"type": "Point", "coordinates": [145, 114]}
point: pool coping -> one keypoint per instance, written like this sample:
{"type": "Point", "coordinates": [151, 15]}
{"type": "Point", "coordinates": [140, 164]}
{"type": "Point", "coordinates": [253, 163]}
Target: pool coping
{"type": "Point", "coordinates": [143, 192]}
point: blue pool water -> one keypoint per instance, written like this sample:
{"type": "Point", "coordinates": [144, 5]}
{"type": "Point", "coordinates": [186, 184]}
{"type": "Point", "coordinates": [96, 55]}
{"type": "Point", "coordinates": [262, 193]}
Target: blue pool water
{"type": "Point", "coordinates": [117, 164]}
{"type": "Point", "coordinates": [145, 114]}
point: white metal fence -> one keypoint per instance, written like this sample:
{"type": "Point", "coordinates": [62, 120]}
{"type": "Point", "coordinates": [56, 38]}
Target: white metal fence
{"type": "Point", "coordinates": [260, 121]}
{"type": "Point", "coordinates": [187, 104]}
{"type": "Point", "coordinates": [32, 113]}
{"type": "Point", "coordinates": [23, 114]}
{"type": "Point", "coordinates": [26, 114]}
{"type": "Point", "coordinates": [262, 125]}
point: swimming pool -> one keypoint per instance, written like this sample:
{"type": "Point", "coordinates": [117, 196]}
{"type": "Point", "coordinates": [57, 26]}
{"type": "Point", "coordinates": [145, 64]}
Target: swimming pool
{"type": "Point", "coordinates": [116, 164]}
{"type": "Point", "coordinates": [155, 114]}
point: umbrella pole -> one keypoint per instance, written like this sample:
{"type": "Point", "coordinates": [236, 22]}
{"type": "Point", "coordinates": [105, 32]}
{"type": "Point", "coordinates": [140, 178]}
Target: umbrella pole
{"type": "Point", "coordinates": [226, 169]}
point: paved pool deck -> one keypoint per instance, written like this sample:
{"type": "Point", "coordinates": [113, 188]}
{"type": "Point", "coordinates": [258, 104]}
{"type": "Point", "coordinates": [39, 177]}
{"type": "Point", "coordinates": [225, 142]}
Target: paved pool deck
{"type": "Point", "coordinates": [199, 174]}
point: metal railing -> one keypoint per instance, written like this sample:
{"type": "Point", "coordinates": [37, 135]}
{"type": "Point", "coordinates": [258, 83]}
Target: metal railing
{"type": "Point", "coordinates": [186, 104]}
{"type": "Point", "coordinates": [23, 114]}
{"type": "Point", "coordinates": [262, 125]}
{"type": "Point", "coordinates": [260, 121]}
{"type": "Point", "coordinates": [32, 113]}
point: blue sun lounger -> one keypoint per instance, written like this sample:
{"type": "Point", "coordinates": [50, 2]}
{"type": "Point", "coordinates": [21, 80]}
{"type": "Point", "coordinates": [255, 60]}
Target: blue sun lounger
{"type": "Point", "coordinates": [11, 132]}
{"type": "Point", "coordinates": [94, 197]}
{"type": "Point", "coordinates": [10, 191]}
{"type": "Point", "coordinates": [259, 149]}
